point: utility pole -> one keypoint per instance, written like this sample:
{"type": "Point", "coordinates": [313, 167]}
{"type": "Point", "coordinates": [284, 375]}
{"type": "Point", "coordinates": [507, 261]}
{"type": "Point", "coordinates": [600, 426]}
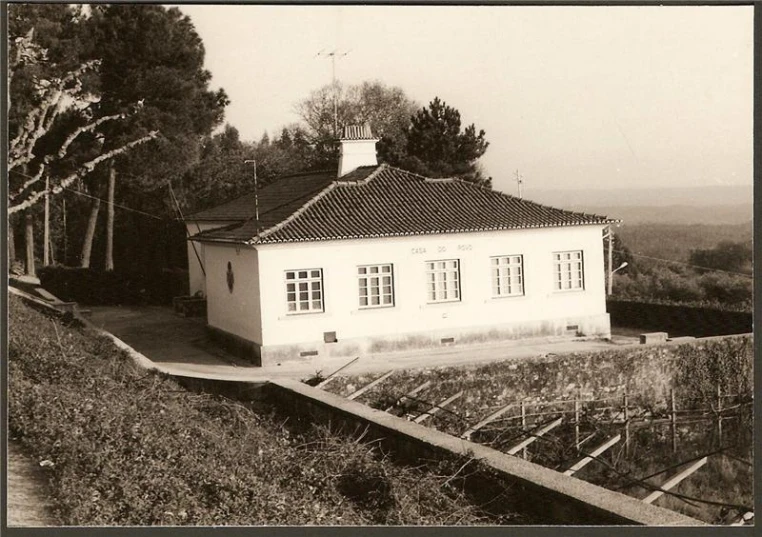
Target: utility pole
{"type": "Point", "coordinates": [256, 192]}
{"type": "Point", "coordinates": [333, 55]}
{"type": "Point", "coordinates": [520, 182]}
{"type": "Point", "coordinates": [46, 229]}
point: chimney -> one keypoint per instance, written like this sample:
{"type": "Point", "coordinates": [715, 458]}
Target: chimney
{"type": "Point", "coordinates": [358, 148]}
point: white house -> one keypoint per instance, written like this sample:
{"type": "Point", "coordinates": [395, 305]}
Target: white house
{"type": "Point", "coordinates": [376, 259]}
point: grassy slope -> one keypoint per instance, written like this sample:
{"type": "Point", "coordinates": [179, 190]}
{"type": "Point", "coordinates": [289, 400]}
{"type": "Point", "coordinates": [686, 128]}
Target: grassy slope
{"type": "Point", "coordinates": [134, 448]}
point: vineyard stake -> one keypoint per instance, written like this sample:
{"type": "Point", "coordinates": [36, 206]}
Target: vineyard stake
{"type": "Point", "coordinates": [597, 451]}
{"type": "Point", "coordinates": [674, 421]}
{"type": "Point", "coordinates": [675, 481]}
{"type": "Point", "coordinates": [523, 426]}
{"type": "Point", "coordinates": [330, 377]}
{"type": "Point", "coordinates": [379, 380]}
{"type": "Point", "coordinates": [492, 417]}
{"type": "Point", "coordinates": [433, 410]}
{"type": "Point", "coordinates": [524, 443]}
{"type": "Point", "coordinates": [626, 426]}
{"type": "Point", "coordinates": [576, 423]}
{"type": "Point", "coordinates": [719, 414]}
{"type": "Point", "coordinates": [411, 393]}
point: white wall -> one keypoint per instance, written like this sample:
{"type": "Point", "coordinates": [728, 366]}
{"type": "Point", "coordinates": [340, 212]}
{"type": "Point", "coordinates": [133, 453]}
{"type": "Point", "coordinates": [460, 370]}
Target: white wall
{"type": "Point", "coordinates": [411, 313]}
{"type": "Point", "coordinates": [195, 274]}
{"type": "Point", "coordinates": [237, 312]}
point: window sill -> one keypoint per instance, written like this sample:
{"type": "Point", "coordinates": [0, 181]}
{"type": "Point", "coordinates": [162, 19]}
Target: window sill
{"type": "Point", "coordinates": [297, 315]}
{"type": "Point", "coordinates": [442, 303]}
{"type": "Point", "coordinates": [360, 310]}
{"type": "Point", "coordinates": [567, 291]}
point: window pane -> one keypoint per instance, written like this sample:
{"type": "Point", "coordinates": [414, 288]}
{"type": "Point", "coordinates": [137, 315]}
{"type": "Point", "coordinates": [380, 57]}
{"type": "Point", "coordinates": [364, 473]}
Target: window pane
{"type": "Point", "coordinates": [291, 306]}
{"type": "Point", "coordinates": [303, 274]}
{"type": "Point", "coordinates": [304, 295]}
{"type": "Point", "coordinates": [290, 287]}
{"type": "Point", "coordinates": [316, 305]}
{"type": "Point", "coordinates": [386, 268]}
{"type": "Point", "coordinates": [361, 270]}
{"type": "Point", "coordinates": [304, 305]}
{"type": "Point", "coordinates": [290, 275]}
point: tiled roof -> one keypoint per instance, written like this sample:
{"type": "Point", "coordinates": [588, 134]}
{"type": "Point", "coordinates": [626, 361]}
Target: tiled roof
{"type": "Point", "coordinates": [276, 201]}
{"type": "Point", "coordinates": [392, 202]}
{"type": "Point", "coordinates": [357, 132]}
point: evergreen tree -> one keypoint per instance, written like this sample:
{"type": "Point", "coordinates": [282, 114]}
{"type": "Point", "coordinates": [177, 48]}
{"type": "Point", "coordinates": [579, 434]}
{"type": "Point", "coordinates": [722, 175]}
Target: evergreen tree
{"type": "Point", "coordinates": [436, 146]}
{"type": "Point", "coordinates": [152, 56]}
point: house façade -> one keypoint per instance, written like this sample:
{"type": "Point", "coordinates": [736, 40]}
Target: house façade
{"type": "Point", "coordinates": [374, 259]}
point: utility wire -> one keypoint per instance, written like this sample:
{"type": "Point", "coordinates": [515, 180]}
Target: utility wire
{"type": "Point", "coordinates": [683, 263]}
{"type": "Point", "coordinates": [96, 198]}
{"type": "Point", "coordinates": [115, 204]}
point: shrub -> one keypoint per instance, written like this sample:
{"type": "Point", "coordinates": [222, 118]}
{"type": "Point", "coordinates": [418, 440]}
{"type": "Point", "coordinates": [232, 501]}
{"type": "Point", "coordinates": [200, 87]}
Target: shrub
{"type": "Point", "coordinates": [98, 287]}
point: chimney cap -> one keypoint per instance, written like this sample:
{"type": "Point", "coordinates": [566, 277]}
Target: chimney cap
{"type": "Point", "coordinates": [357, 132]}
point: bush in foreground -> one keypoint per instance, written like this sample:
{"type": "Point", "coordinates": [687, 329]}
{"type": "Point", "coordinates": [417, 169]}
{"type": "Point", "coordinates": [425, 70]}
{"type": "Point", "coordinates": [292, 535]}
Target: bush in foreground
{"type": "Point", "coordinates": [134, 448]}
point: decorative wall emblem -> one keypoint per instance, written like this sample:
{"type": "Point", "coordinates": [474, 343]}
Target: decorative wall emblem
{"type": "Point", "coordinates": [231, 277]}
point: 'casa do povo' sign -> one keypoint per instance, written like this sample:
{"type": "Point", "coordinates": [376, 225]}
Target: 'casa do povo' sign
{"type": "Point", "coordinates": [441, 249]}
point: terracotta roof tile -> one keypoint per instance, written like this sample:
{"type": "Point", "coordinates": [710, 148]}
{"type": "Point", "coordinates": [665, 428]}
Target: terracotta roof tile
{"type": "Point", "coordinates": [393, 202]}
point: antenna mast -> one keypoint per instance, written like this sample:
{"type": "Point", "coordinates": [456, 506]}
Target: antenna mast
{"type": "Point", "coordinates": [333, 55]}
{"type": "Point", "coordinates": [520, 183]}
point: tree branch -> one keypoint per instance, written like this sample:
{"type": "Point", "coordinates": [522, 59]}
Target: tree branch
{"type": "Point", "coordinates": [28, 183]}
{"type": "Point", "coordinates": [83, 170]}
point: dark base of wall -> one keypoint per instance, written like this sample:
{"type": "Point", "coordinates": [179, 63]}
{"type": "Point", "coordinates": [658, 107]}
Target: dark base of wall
{"type": "Point", "coordinates": [236, 345]}
{"type": "Point", "coordinates": [678, 320]}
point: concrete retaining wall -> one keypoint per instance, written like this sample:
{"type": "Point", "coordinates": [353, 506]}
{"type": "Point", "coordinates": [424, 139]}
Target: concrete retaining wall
{"type": "Point", "coordinates": [556, 498]}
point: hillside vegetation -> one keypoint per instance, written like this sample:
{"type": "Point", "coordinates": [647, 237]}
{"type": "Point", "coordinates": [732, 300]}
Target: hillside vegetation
{"type": "Point", "coordinates": [128, 447]}
{"type": "Point", "coordinates": [707, 265]}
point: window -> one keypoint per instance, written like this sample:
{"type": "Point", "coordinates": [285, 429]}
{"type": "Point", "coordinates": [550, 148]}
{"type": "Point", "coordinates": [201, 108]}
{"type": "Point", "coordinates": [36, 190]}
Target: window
{"type": "Point", "coordinates": [376, 286]}
{"type": "Point", "coordinates": [568, 270]}
{"type": "Point", "coordinates": [304, 290]}
{"type": "Point", "coordinates": [443, 280]}
{"type": "Point", "coordinates": [507, 276]}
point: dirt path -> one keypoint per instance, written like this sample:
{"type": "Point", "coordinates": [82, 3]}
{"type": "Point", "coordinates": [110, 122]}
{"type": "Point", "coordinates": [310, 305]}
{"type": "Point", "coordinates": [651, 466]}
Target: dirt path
{"type": "Point", "coordinates": [28, 504]}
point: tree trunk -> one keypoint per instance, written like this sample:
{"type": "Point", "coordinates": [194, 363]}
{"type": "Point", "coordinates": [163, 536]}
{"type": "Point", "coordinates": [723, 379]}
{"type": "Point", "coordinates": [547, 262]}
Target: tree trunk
{"type": "Point", "coordinates": [110, 219]}
{"type": "Point", "coordinates": [87, 246]}
{"type": "Point", "coordinates": [11, 241]}
{"type": "Point", "coordinates": [29, 240]}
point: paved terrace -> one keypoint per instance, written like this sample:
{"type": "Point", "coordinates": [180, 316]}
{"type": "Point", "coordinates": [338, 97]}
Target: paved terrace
{"type": "Point", "coordinates": [180, 346]}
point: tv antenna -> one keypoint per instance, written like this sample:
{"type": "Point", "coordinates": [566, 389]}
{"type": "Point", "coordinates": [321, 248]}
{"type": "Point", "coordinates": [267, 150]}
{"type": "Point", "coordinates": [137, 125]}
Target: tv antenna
{"type": "Point", "coordinates": [333, 55]}
{"type": "Point", "coordinates": [520, 183]}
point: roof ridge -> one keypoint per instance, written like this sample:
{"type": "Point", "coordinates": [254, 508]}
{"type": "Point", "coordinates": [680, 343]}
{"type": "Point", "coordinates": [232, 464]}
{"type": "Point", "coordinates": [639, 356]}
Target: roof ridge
{"type": "Point", "coordinates": [364, 181]}
{"type": "Point", "coordinates": [261, 235]}
{"type": "Point", "coordinates": [429, 179]}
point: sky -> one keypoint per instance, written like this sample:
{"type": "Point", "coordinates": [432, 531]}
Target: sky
{"type": "Point", "coordinates": [582, 97]}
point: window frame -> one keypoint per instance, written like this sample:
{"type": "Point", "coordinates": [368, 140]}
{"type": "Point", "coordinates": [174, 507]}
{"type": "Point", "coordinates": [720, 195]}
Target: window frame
{"type": "Point", "coordinates": [310, 280]}
{"type": "Point", "coordinates": [497, 279]}
{"type": "Point", "coordinates": [367, 276]}
{"type": "Point", "coordinates": [562, 266]}
{"type": "Point", "coordinates": [434, 271]}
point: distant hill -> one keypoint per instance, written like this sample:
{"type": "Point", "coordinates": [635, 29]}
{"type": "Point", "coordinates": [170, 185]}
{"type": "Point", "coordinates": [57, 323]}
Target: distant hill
{"type": "Point", "coordinates": [645, 197]}
{"type": "Point", "coordinates": [699, 205]}
{"type": "Point", "coordinates": [676, 214]}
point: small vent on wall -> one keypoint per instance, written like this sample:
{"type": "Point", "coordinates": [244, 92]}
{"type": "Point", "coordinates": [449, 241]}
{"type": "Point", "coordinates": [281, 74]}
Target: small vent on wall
{"type": "Point", "coordinates": [308, 353]}
{"type": "Point", "coordinates": [446, 340]}
{"type": "Point", "coordinates": [329, 337]}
